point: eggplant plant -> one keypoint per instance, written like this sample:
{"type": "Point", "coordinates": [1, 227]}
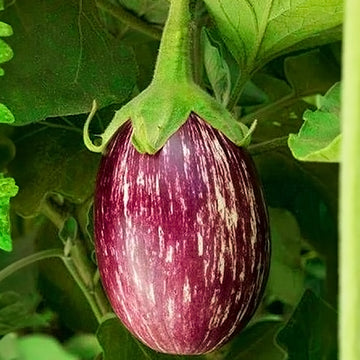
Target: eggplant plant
{"type": "Point", "coordinates": [155, 244]}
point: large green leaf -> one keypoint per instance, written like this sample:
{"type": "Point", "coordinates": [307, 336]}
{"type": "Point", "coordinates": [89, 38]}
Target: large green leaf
{"type": "Point", "coordinates": [319, 139]}
{"type": "Point", "coordinates": [259, 30]}
{"type": "Point", "coordinates": [64, 59]}
{"type": "Point", "coordinates": [311, 333]}
{"type": "Point", "coordinates": [51, 160]}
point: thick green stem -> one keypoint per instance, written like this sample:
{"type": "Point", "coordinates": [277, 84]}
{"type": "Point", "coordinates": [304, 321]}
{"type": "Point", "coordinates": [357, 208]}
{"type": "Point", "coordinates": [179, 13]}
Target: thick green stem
{"type": "Point", "coordinates": [173, 65]}
{"type": "Point", "coordinates": [349, 300]}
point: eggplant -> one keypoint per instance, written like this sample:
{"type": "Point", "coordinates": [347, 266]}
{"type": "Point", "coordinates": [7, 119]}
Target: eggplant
{"type": "Point", "coordinates": [181, 238]}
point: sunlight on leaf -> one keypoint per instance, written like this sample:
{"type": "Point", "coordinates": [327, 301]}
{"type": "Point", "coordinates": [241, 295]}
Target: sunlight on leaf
{"type": "Point", "coordinates": [6, 115]}
{"type": "Point", "coordinates": [6, 52]}
{"type": "Point", "coordinates": [259, 30]}
{"type": "Point", "coordinates": [319, 138]}
{"type": "Point", "coordinates": [8, 189]}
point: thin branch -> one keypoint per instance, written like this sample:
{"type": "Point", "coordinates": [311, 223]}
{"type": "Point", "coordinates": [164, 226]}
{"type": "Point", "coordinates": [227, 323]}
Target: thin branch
{"type": "Point", "coordinates": [28, 260]}
{"type": "Point", "coordinates": [129, 19]}
{"type": "Point", "coordinates": [268, 145]}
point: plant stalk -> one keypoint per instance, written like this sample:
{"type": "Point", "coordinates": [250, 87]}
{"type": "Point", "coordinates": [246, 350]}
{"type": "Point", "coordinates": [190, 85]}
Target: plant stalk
{"type": "Point", "coordinates": [173, 63]}
{"type": "Point", "coordinates": [349, 300]}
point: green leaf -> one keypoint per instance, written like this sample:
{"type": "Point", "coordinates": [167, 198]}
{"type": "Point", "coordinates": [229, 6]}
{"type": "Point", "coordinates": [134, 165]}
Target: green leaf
{"type": "Point", "coordinates": [217, 69]}
{"type": "Point", "coordinates": [5, 29]}
{"type": "Point", "coordinates": [64, 59]}
{"type": "Point", "coordinates": [119, 344]}
{"type": "Point", "coordinates": [311, 73]}
{"type": "Point", "coordinates": [311, 333]}
{"type": "Point", "coordinates": [257, 31]}
{"type": "Point", "coordinates": [31, 347]}
{"type": "Point", "coordinates": [286, 279]}
{"type": "Point", "coordinates": [319, 138]}
{"type": "Point", "coordinates": [58, 162]}
{"type": "Point", "coordinates": [6, 115]}
{"type": "Point", "coordinates": [19, 312]}
{"type": "Point", "coordinates": [310, 192]}
{"type": "Point", "coordinates": [8, 189]}
{"type": "Point", "coordinates": [84, 346]}
{"type": "Point", "coordinates": [256, 342]}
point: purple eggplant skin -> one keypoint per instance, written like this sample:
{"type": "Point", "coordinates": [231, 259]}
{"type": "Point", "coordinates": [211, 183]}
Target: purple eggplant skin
{"type": "Point", "coordinates": [181, 238]}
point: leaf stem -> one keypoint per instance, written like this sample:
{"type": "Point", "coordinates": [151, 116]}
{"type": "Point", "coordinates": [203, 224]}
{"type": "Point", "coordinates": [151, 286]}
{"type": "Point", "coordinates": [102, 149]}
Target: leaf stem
{"type": "Point", "coordinates": [266, 146]}
{"type": "Point", "coordinates": [269, 108]}
{"type": "Point", "coordinates": [63, 127]}
{"type": "Point", "coordinates": [238, 90]}
{"type": "Point", "coordinates": [349, 225]}
{"type": "Point", "coordinates": [129, 19]}
{"type": "Point", "coordinates": [28, 260]}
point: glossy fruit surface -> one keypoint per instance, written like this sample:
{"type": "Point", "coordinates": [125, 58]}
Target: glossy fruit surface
{"type": "Point", "coordinates": [182, 238]}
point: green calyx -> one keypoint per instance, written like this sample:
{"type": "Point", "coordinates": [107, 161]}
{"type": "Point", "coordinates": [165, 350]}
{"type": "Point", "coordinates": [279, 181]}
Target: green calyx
{"type": "Point", "coordinates": [165, 105]}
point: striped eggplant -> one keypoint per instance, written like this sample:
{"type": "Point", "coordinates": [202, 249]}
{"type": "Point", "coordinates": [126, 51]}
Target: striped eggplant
{"type": "Point", "coordinates": [182, 238]}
